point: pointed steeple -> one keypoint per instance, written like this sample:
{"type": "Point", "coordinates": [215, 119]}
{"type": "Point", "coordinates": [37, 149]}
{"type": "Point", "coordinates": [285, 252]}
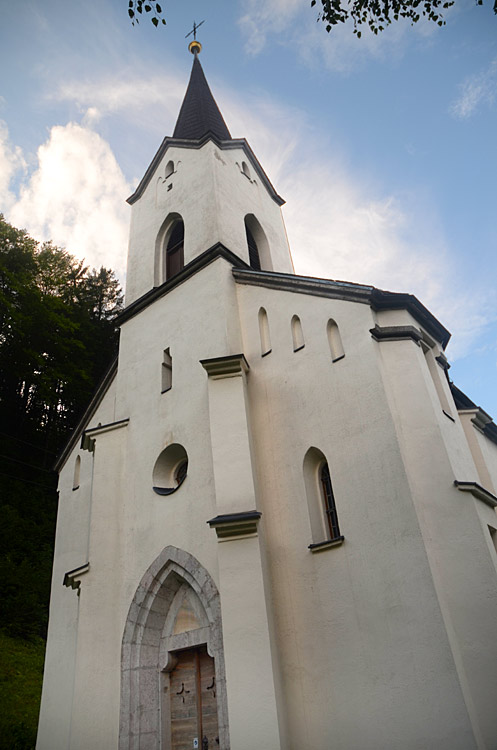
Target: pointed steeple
{"type": "Point", "coordinates": [199, 114]}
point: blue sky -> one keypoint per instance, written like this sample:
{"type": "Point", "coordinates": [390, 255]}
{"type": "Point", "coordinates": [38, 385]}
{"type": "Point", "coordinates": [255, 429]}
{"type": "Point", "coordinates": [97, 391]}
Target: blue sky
{"type": "Point", "coordinates": [384, 148]}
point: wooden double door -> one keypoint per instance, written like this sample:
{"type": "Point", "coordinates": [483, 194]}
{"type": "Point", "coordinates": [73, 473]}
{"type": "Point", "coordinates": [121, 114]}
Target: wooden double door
{"type": "Point", "coordinates": [192, 704]}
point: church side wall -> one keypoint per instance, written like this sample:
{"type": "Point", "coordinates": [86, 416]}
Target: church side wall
{"type": "Point", "coordinates": [435, 453]}
{"type": "Point", "coordinates": [362, 641]}
{"type": "Point", "coordinates": [71, 552]}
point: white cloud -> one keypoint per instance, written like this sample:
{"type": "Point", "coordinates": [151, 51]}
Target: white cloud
{"type": "Point", "coordinates": [131, 94]}
{"type": "Point", "coordinates": [76, 198]}
{"type": "Point", "coordinates": [475, 90]}
{"type": "Point", "coordinates": [11, 161]}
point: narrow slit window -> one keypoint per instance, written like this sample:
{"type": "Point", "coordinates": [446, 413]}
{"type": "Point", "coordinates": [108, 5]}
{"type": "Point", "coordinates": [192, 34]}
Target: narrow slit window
{"type": "Point", "coordinates": [297, 334]}
{"type": "Point", "coordinates": [77, 470]}
{"type": "Point", "coordinates": [167, 371]}
{"type": "Point", "coordinates": [335, 341]}
{"type": "Point", "coordinates": [264, 332]}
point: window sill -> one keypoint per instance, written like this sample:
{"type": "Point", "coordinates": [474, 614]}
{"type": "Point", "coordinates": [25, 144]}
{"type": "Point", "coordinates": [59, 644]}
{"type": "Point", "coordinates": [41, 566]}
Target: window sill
{"type": "Point", "coordinates": [327, 544]}
{"type": "Point", "coordinates": [166, 389]}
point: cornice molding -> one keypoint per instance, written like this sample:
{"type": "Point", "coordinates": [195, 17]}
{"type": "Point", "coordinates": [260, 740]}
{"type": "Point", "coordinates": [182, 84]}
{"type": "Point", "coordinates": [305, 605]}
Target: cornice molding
{"type": "Point", "coordinates": [477, 491]}
{"type": "Point", "coordinates": [235, 525]}
{"type": "Point", "coordinates": [396, 333]}
{"type": "Point", "coordinates": [72, 577]}
{"type": "Point", "coordinates": [225, 367]}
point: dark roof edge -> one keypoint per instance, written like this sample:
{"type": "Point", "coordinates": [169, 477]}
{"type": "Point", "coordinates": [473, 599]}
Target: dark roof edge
{"type": "Point", "coordinates": [88, 414]}
{"type": "Point", "coordinates": [223, 145]}
{"type": "Point", "coordinates": [463, 401]}
{"type": "Point", "coordinates": [376, 298]}
{"type": "Point", "coordinates": [216, 251]}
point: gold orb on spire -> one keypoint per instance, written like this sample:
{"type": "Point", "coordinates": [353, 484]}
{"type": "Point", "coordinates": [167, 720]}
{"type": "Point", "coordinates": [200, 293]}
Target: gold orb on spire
{"type": "Point", "coordinates": [195, 47]}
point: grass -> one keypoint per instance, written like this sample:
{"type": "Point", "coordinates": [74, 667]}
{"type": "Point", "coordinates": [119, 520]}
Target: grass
{"type": "Point", "coordinates": [21, 675]}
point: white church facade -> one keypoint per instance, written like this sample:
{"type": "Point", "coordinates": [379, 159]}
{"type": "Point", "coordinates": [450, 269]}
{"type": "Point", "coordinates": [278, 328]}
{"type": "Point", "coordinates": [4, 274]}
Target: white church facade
{"type": "Point", "coordinates": [277, 524]}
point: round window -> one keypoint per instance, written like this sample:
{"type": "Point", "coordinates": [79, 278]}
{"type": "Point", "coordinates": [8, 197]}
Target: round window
{"type": "Point", "coordinates": [170, 469]}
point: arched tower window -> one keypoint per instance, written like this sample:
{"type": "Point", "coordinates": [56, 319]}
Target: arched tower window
{"type": "Point", "coordinates": [320, 500]}
{"type": "Point", "coordinates": [174, 258]}
{"type": "Point", "coordinates": [297, 334]}
{"type": "Point", "coordinates": [335, 341]}
{"type": "Point", "coordinates": [258, 247]}
{"type": "Point", "coordinates": [169, 169]}
{"type": "Point", "coordinates": [253, 250]}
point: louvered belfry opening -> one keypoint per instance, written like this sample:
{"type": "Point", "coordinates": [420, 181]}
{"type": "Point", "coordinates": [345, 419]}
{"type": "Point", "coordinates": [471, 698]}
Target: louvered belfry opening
{"type": "Point", "coordinates": [174, 250]}
{"type": "Point", "coordinates": [254, 260]}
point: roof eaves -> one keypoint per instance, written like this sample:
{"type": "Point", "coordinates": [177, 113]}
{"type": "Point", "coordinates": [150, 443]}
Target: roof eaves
{"type": "Point", "coordinates": [376, 298]}
{"type": "Point", "coordinates": [216, 251]}
{"type": "Point", "coordinates": [88, 414]}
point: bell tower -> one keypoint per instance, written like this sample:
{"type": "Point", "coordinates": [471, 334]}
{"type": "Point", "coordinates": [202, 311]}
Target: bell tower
{"type": "Point", "coordinates": [202, 188]}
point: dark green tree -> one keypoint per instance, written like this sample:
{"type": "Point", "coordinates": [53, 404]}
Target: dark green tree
{"type": "Point", "coordinates": [57, 337]}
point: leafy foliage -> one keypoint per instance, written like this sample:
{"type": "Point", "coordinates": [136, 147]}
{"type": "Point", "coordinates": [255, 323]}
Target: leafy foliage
{"type": "Point", "coordinates": [137, 7]}
{"type": "Point", "coordinates": [57, 338]}
{"type": "Point", "coordinates": [21, 673]}
{"type": "Point", "coordinates": [380, 13]}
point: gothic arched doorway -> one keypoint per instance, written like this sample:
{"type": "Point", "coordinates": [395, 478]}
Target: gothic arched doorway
{"type": "Point", "coordinates": [173, 689]}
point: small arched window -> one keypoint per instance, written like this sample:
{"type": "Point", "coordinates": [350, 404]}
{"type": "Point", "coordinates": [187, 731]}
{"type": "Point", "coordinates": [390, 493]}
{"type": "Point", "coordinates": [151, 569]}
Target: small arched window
{"type": "Point", "coordinates": [245, 169]}
{"type": "Point", "coordinates": [174, 249]}
{"type": "Point", "coordinates": [335, 341]}
{"type": "Point", "coordinates": [77, 469]}
{"type": "Point", "coordinates": [264, 332]}
{"type": "Point", "coordinates": [169, 169]}
{"type": "Point", "coordinates": [297, 334]}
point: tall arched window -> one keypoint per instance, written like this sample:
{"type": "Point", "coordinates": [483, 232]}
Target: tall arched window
{"type": "Point", "coordinates": [329, 501]}
{"type": "Point", "coordinates": [174, 249]}
{"type": "Point", "coordinates": [323, 515]}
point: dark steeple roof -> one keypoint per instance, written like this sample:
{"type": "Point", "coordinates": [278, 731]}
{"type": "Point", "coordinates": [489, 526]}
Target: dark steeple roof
{"type": "Point", "coordinates": [199, 114]}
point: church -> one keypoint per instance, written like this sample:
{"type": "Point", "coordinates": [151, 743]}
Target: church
{"type": "Point", "coordinates": [277, 521]}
